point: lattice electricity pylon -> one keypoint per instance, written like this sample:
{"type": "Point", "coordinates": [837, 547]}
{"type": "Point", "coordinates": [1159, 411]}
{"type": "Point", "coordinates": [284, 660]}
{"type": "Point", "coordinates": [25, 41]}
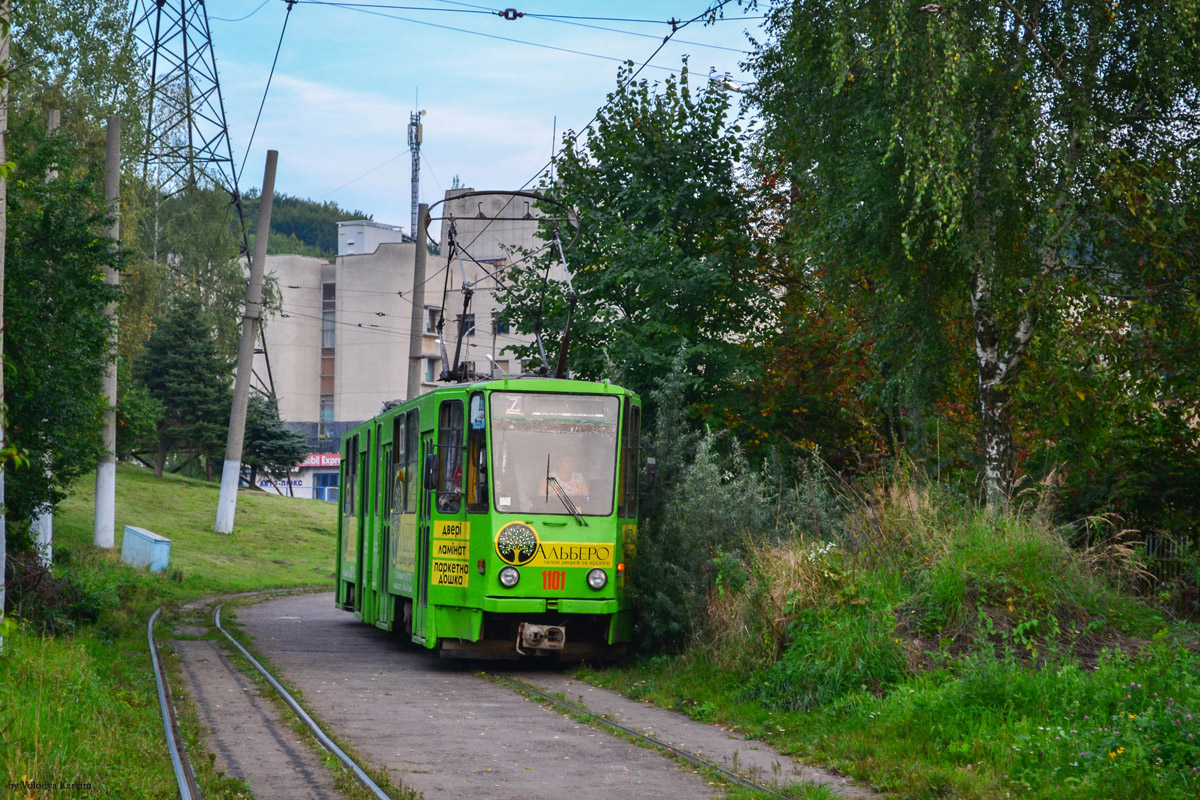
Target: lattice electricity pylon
{"type": "Point", "coordinates": [187, 138]}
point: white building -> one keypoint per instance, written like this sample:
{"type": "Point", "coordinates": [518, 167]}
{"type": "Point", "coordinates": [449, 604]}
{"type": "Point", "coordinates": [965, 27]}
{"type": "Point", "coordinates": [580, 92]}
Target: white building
{"type": "Point", "coordinates": [338, 344]}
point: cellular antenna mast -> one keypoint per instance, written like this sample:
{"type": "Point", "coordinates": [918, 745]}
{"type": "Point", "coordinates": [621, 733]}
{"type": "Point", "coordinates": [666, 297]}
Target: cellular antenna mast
{"type": "Point", "coordinates": [415, 130]}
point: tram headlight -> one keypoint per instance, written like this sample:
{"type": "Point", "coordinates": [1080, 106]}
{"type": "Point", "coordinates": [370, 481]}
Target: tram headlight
{"type": "Point", "coordinates": [597, 578]}
{"type": "Point", "coordinates": [509, 576]}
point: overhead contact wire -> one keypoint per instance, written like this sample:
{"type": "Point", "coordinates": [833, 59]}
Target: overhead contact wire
{"type": "Point", "coordinates": [267, 88]}
{"type": "Point", "coordinates": [675, 28]}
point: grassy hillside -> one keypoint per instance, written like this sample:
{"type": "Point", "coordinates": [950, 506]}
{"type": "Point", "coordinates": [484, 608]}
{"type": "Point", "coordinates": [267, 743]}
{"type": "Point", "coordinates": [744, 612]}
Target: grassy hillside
{"type": "Point", "coordinates": [277, 541]}
{"type": "Point", "coordinates": [925, 646]}
{"type": "Point", "coordinates": [80, 706]}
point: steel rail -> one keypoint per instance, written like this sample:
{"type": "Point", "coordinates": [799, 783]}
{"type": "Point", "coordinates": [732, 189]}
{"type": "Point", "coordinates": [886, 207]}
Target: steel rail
{"type": "Point", "coordinates": [325, 741]}
{"type": "Point", "coordinates": [184, 775]}
{"type": "Point", "coordinates": [600, 719]}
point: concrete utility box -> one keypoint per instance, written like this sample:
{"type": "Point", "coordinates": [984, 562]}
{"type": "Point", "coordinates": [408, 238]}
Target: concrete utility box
{"type": "Point", "coordinates": [142, 548]}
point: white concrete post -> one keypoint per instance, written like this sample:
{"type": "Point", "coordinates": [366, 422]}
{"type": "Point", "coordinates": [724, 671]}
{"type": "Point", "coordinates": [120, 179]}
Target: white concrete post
{"type": "Point", "coordinates": [227, 503]}
{"type": "Point", "coordinates": [106, 468]}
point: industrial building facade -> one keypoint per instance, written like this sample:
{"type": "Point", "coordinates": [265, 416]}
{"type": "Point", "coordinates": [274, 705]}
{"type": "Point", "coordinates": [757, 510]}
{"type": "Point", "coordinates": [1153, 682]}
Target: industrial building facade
{"type": "Point", "coordinates": [338, 343]}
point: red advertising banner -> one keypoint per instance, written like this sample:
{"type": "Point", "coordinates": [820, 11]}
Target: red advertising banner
{"type": "Point", "coordinates": [321, 460]}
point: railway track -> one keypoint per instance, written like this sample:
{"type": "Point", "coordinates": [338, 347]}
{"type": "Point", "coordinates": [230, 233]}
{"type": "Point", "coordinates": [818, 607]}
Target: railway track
{"type": "Point", "coordinates": [184, 772]}
{"type": "Point", "coordinates": [470, 693]}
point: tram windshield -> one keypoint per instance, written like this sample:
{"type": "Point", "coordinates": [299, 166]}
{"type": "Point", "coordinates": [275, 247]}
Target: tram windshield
{"type": "Point", "coordinates": [554, 453]}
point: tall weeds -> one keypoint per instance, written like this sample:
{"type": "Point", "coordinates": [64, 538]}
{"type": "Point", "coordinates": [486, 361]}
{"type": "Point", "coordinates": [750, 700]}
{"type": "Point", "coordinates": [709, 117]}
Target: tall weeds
{"type": "Point", "coordinates": [812, 587]}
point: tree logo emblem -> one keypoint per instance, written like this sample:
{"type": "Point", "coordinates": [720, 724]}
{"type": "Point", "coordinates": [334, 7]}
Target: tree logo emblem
{"type": "Point", "coordinates": [517, 543]}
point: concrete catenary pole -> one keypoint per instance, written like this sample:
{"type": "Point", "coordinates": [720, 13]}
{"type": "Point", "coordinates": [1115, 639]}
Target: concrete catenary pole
{"type": "Point", "coordinates": [106, 468]}
{"type": "Point", "coordinates": [227, 504]}
{"type": "Point", "coordinates": [42, 524]}
{"type": "Point", "coordinates": [5, 16]}
{"type": "Point", "coordinates": [416, 335]}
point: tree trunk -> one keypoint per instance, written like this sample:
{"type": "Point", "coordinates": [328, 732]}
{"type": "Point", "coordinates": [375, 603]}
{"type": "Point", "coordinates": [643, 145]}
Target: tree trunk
{"type": "Point", "coordinates": [996, 425]}
{"type": "Point", "coordinates": [998, 461]}
{"type": "Point", "coordinates": [996, 372]}
{"type": "Point", "coordinates": [160, 460]}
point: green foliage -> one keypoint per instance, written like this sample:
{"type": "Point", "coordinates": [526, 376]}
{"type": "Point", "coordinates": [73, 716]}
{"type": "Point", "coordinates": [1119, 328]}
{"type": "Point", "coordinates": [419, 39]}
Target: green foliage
{"type": "Point", "coordinates": [937, 651]}
{"type": "Point", "coordinates": [79, 57]}
{"type": "Point", "coordinates": [138, 413]}
{"type": "Point", "coordinates": [715, 503]}
{"type": "Point", "coordinates": [300, 226]}
{"type": "Point", "coordinates": [970, 178]}
{"type": "Point", "coordinates": [56, 333]}
{"type": "Point", "coordinates": [103, 665]}
{"type": "Point", "coordinates": [829, 656]}
{"type": "Point", "coordinates": [183, 369]}
{"type": "Point", "coordinates": [188, 235]}
{"type": "Point", "coordinates": [664, 260]}
{"type": "Point", "coordinates": [269, 445]}
{"type": "Point", "coordinates": [56, 602]}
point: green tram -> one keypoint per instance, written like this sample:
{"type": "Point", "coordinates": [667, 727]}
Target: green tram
{"type": "Point", "coordinates": [495, 519]}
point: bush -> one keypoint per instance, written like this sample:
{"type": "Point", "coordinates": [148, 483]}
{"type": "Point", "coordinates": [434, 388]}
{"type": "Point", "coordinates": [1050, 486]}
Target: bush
{"type": "Point", "coordinates": [717, 506]}
{"type": "Point", "coordinates": [54, 604]}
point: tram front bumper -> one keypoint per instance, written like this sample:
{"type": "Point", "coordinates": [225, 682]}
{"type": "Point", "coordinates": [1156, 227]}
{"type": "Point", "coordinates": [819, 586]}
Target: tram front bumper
{"type": "Point", "coordinates": [533, 605]}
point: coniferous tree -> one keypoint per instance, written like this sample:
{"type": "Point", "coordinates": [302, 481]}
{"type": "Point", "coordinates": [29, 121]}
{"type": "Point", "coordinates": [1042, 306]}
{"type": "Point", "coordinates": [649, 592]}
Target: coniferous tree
{"type": "Point", "coordinates": [270, 446]}
{"type": "Point", "coordinates": [182, 367]}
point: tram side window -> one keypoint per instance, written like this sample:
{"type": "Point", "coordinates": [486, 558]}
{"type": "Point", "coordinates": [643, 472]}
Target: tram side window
{"type": "Point", "coordinates": [399, 467]}
{"type": "Point", "coordinates": [411, 437]}
{"type": "Point", "coordinates": [450, 451]}
{"type": "Point", "coordinates": [350, 484]}
{"type": "Point", "coordinates": [629, 461]}
{"type": "Point", "coordinates": [477, 477]}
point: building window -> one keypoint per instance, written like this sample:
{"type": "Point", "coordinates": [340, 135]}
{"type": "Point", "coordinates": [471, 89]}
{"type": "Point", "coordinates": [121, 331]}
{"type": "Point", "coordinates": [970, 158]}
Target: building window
{"type": "Point", "coordinates": [328, 314]}
{"type": "Point", "coordinates": [328, 338]}
{"type": "Point", "coordinates": [434, 315]}
{"type": "Point", "coordinates": [501, 325]}
{"type": "Point", "coordinates": [327, 365]}
{"type": "Point", "coordinates": [325, 417]}
{"type": "Point", "coordinates": [467, 324]}
{"type": "Point", "coordinates": [325, 486]}
{"type": "Point", "coordinates": [430, 367]}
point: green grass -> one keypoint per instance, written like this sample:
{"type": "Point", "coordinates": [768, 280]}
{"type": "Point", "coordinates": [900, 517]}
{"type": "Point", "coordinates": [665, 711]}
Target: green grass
{"type": "Point", "coordinates": [81, 708]}
{"type": "Point", "coordinates": [950, 654]}
{"type": "Point", "coordinates": [276, 542]}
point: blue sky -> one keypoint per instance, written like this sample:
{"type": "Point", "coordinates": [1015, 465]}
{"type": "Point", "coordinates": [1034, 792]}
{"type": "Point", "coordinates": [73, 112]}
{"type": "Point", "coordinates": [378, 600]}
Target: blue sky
{"type": "Point", "coordinates": [348, 78]}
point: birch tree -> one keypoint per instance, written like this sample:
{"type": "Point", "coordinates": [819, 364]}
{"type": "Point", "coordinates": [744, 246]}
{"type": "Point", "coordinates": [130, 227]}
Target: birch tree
{"type": "Point", "coordinates": [972, 147]}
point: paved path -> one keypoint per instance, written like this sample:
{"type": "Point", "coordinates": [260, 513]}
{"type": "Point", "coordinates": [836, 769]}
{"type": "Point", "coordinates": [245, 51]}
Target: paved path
{"type": "Point", "coordinates": [439, 728]}
{"type": "Point", "coordinates": [735, 752]}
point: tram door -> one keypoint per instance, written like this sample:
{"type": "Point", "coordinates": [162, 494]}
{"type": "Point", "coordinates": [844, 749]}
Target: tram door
{"type": "Point", "coordinates": [363, 497]}
{"type": "Point", "coordinates": [421, 578]}
{"type": "Point", "coordinates": [385, 477]}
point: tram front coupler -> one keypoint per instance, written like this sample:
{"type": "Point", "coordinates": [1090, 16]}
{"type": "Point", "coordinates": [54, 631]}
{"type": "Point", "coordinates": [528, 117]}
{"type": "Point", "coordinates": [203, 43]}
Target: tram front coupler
{"type": "Point", "coordinates": [540, 638]}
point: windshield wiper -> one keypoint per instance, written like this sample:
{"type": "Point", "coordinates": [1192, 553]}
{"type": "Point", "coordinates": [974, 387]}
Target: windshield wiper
{"type": "Point", "coordinates": [566, 499]}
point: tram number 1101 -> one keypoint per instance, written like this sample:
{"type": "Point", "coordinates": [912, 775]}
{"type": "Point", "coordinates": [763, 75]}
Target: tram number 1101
{"type": "Point", "coordinates": [554, 579]}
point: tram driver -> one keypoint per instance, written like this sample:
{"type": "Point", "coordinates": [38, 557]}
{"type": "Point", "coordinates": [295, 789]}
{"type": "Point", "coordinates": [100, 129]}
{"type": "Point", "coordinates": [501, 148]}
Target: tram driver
{"type": "Point", "coordinates": [566, 475]}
